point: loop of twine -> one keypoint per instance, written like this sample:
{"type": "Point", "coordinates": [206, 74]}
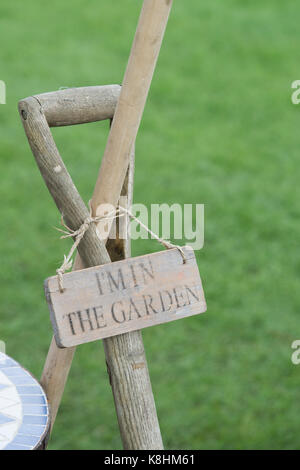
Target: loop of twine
{"type": "Point", "coordinates": [79, 234]}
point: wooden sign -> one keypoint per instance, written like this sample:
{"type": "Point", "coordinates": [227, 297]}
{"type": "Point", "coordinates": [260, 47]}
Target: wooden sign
{"type": "Point", "coordinates": [124, 296]}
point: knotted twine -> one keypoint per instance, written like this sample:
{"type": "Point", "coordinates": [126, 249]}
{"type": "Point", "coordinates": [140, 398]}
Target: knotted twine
{"type": "Point", "coordinates": [77, 235]}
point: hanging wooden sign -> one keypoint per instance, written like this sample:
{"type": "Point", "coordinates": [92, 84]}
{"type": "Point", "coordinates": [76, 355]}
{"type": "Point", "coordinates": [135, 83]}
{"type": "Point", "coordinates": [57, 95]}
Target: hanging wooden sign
{"type": "Point", "coordinates": [124, 296]}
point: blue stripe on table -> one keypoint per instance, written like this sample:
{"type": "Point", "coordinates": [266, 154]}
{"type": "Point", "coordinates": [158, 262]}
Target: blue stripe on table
{"type": "Point", "coordinates": [5, 419]}
{"type": "Point", "coordinates": [29, 390]}
{"type": "Point", "coordinates": [33, 419]}
{"type": "Point", "coordinates": [35, 410]}
{"type": "Point", "coordinates": [26, 380]}
{"type": "Point", "coordinates": [7, 363]}
{"type": "Point", "coordinates": [12, 446]}
{"type": "Point", "coordinates": [23, 440]}
{"type": "Point", "coordinates": [34, 399]}
{"type": "Point", "coordinates": [31, 430]}
{"type": "Point", "coordinates": [14, 371]}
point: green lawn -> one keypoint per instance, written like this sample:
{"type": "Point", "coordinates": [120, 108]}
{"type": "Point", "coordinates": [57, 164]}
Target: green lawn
{"type": "Point", "coordinates": [219, 128]}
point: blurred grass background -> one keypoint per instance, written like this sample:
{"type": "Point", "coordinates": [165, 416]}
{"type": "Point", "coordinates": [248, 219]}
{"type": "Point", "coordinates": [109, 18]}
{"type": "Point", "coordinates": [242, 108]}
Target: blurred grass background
{"type": "Point", "coordinates": [220, 129]}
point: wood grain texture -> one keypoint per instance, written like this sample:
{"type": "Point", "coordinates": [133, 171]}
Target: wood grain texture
{"type": "Point", "coordinates": [124, 296]}
{"type": "Point", "coordinates": [58, 180]}
{"type": "Point", "coordinates": [79, 105]}
{"type": "Point", "coordinates": [55, 374]}
{"type": "Point", "coordinates": [135, 87]}
{"type": "Point", "coordinates": [131, 385]}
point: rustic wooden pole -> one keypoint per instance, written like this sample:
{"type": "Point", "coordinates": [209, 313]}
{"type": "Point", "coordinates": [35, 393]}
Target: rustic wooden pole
{"type": "Point", "coordinates": [135, 87]}
{"type": "Point", "coordinates": [79, 105]}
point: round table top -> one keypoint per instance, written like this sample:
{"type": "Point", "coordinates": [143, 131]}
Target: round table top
{"type": "Point", "coordinates": [24, 411]}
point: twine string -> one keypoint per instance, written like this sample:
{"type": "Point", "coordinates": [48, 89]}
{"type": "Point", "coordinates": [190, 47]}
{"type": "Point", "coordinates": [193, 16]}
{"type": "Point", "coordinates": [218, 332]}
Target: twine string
{"type": "Point", "coordinates": [163, 242]}
{"type": "Point", "coordinates": [77, 235]}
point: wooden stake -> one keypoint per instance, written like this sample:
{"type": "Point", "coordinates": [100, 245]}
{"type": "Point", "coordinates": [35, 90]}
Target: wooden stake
{"type": "Point", "coordinates": [130, 107]}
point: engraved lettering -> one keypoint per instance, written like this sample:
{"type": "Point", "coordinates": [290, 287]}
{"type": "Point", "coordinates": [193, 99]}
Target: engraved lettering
{"type": "Point", "coordinates": [133, 308]}
{"type": "Point", "coordinates": [99, 316]}
{"type": "Point", "coordinates": [69, 315]}
{"type": "Point", "coordinates": [99, 284]}
{"type": "Point", "coordinates": [178, 294]}
{"type": "Point", "coordinates": [133, 275]}
{"type": "Point", "coordinates": [189, 290]}
{"type": "Point", "coordinates": [145, 271]}
{"type": "Point", "coordinates": [148, 304]}
{"type": "Point", "coordinates": [163, 305]}
{"type": "Point", "coordinates": [113, 282]}
{"type": "Point", "coordinates": [113, 313]}
{"type": "Point", "coordinates": [82, 321]}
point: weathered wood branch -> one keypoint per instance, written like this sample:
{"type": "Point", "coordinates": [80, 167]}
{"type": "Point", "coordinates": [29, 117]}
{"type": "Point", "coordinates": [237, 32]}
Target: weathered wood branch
{"type": "Point", "coordinates": [79, 105]}
{"type": "Point", "coordinates": [135, 87]}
